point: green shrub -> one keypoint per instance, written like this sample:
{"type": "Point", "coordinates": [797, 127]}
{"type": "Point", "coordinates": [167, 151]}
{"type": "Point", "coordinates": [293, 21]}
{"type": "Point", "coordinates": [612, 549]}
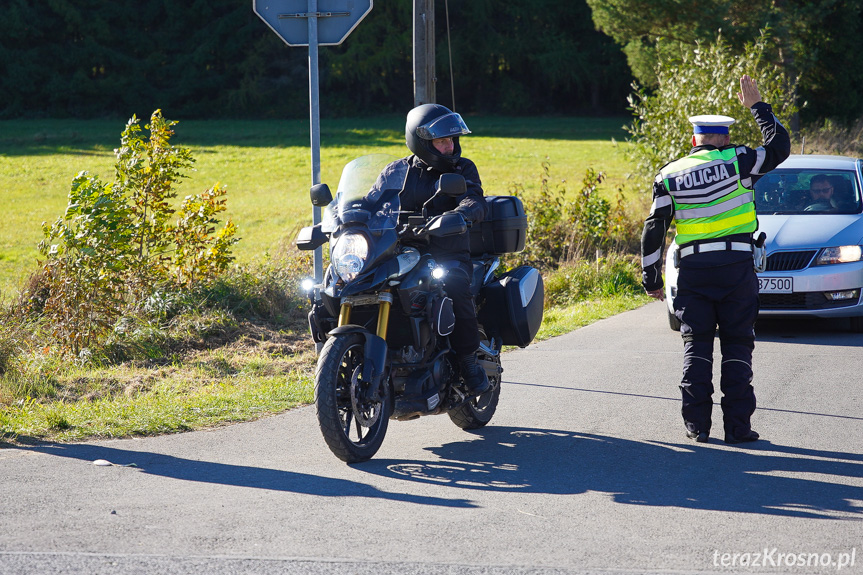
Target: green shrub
{"type": "Point", "coordinates": [202, 253]}
{"type": "Point", "coordinates": [704, 81]}
{"type": "Point", "coordinates": [581, 280]}
{"type": "Point", "coordinates": [85, 270]}
{"type": "Point", "coordinates": [116, 248]}
{"type": "Point", "coordinates": [563, 230]}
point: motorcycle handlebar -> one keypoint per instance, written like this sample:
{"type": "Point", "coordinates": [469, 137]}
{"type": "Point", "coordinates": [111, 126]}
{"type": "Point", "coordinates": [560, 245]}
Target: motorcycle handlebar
{"type": "Point", "coordinates": [446, 224]}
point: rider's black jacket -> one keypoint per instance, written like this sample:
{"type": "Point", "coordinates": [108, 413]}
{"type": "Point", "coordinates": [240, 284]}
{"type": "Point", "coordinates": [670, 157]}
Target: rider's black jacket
{"type": "Point", "coordinates": [420, 186]}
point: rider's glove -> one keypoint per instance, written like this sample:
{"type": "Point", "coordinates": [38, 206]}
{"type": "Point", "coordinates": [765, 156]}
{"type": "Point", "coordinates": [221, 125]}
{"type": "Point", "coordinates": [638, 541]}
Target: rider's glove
{"type": "Point", "coordinates": [462, 213]}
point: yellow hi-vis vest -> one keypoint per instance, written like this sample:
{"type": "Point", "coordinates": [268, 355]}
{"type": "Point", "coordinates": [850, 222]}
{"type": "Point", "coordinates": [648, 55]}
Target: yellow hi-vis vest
{"type": "Point", "coordinates": [709, 200]}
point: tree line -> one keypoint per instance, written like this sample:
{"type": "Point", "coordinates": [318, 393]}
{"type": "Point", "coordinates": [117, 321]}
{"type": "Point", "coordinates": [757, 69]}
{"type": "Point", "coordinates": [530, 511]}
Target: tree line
{"type": "Point", "coordinates": [216, 58]}
{"type": "Point", "coordinates": [814, 43]}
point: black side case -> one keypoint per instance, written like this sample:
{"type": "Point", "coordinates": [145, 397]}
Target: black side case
{"type": "Point", "coordinates": [512, 306]}
{"type": "Point", "coordinates": [504, 230]}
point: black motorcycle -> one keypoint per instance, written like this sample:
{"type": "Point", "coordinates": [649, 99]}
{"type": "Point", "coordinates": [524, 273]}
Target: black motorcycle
{"type": "Point", "coordinates": [383, 317]}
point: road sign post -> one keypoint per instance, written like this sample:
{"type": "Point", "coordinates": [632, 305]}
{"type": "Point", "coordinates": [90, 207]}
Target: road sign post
{"type": "Point", "coordinates": [313, 23]}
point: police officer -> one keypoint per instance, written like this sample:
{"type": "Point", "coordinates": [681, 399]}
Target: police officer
{"type": "Point", "coordinates": [709, 195]}
{"type": "Point", "coordinates": [432, 135]}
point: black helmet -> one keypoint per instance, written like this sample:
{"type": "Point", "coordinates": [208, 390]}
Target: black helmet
{"type": "Point", "coordinates": [428, 122]}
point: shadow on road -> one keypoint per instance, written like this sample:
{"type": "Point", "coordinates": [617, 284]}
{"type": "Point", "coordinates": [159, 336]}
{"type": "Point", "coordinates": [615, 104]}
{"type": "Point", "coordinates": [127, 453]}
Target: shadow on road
{"type": "Point", "coordinates": [761, 407]}
{"type": "Point", "coordinates": [760, 478]}
{"type": "Point", "coordinates": [712, 477]}
{"type": "Point", "coordinates": [237, 475]}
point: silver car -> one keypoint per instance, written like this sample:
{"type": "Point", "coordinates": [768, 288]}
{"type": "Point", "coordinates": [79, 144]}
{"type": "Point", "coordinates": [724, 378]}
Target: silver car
{"type": "Point", "coordinates": [811, 210]}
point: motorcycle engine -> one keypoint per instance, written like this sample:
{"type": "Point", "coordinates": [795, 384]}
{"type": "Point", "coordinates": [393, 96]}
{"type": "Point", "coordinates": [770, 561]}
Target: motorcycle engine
{"type": "Point", "coordinates": [410, 355]}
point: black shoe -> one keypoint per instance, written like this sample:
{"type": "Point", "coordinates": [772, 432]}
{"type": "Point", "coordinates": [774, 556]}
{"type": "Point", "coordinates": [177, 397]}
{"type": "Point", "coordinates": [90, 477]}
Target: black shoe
{"type": "Point", "coordinates": [745, 438]}
{"type": "Point", "coordinates": [474, 375]}
{"type": "Point", "coordinates": [698, 436]}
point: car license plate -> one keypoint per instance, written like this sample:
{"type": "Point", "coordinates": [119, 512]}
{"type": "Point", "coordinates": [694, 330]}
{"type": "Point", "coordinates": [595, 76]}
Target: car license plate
{"type": "Point", "coordinates": [775, 285]}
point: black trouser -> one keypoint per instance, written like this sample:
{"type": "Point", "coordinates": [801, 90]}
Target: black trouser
{"type": "Point", "coordinates": [726, 296]}
{"type": "Point", "coordinates": [465, 336]}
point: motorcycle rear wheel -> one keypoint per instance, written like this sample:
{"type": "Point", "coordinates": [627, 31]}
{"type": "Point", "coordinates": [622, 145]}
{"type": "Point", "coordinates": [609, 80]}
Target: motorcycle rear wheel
{"type": "Point", "coordinates": [353, 427]}
{"type": "Point", "coordinates": [477, 411]}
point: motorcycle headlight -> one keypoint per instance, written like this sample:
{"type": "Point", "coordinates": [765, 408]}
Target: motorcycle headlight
{"type": "Point", "coordinates": [349, 255]}
{"type": "Point", "coordinates": [840, 255]}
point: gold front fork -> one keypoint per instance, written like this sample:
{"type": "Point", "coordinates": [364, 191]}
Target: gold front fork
{"type": "Point", "coordinates": [384, 317]}
{"type": "Point", "coordinates": [345, 314]}
{"type": "Point", "coordinates": [385, 301]}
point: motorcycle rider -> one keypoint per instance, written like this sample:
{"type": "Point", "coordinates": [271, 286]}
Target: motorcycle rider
{"type": "Point", "coordinates": [432, 135]}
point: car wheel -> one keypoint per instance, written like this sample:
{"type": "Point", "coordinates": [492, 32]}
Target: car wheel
{"type": "Point", "coordinates": [857, 324]}
{"type": "Point", "coordinates": [673, 322]}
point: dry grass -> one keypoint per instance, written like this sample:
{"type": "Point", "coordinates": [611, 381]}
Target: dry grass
{"type": "Point", "coordinates": [831, 138]}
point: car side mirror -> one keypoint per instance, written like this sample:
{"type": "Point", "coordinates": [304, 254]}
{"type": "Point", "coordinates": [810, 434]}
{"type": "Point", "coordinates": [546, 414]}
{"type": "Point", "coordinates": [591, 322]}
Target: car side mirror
{"type": "Point", "coordinates": [452, 185]}
{"type": "Point", "coordinates": [321, 195]}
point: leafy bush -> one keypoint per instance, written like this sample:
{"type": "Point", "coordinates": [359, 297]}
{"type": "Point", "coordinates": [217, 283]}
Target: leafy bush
{"type": "Point", "coordinates": [84, 271]}
{"type": "Point", "coordinates": [580, 280]}
{"type": "Point", "coordinates": [704, 81]}
{"type": "Point", "coordinates": [563, 230]}
{"type": "Point", "coordinates": [115, 247]}
{"type": "Point", "coordinates": [202, 252]}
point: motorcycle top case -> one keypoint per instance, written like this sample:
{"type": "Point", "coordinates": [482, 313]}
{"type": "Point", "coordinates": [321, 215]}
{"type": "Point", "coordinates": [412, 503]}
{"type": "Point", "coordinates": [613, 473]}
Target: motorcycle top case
{"type": "Point", "coordinates": [503, 231]}
{"type": "Point", "coordinates": [513, 306]}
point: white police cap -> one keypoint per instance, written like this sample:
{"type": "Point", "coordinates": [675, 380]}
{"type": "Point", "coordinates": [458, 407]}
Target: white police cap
{"type": "Point", "coordinates": [711, 124]}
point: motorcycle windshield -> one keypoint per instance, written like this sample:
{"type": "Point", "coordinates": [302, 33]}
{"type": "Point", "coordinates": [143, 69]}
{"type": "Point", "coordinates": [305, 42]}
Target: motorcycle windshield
{"type": "Point", "coordinates": [367, 194]}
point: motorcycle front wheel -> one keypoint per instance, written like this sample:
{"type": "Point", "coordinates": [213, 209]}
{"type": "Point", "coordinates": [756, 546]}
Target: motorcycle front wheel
{"type": "Point", "coordinates": [353, 424]}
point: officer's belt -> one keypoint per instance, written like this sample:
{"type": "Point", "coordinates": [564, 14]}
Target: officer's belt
{"type": "Point", "coordinates": [715, 247]}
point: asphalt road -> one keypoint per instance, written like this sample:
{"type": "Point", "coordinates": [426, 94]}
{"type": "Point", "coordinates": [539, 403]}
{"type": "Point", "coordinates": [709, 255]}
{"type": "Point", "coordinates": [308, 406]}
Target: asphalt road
{"type": "Point", "coordinates": [584, 469]}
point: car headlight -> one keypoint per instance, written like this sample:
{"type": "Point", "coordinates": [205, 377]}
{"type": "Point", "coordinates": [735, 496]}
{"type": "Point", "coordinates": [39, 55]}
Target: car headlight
{"type": "Point", "coordinates": [840, 255]}
{"type": "Point", "coordinates": [349, 255]}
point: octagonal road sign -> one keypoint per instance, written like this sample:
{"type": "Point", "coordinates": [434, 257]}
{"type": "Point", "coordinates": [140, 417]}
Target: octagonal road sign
{"type": "Point", "coordinates": [289, 19]}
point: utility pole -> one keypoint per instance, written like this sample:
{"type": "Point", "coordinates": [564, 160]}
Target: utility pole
{"type": "Point", "coordinates": [424, 53]}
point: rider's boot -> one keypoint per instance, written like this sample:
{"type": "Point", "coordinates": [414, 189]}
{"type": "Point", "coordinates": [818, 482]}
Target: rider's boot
{"type": "Point", "coordinates": [474, 375]}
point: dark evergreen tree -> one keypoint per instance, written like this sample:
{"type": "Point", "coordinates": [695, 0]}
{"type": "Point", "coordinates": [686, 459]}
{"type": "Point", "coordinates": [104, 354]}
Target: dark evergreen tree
{"type": "Point", "coordinates": [812, 39]}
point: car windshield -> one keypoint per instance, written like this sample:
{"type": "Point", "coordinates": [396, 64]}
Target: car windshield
{"type": "Point", "coordinates": [366, 195]}
{"type": "Point", "coordinates": [808, 191]}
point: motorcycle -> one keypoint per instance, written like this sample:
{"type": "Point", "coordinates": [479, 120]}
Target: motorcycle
{"type": "Point", "coordinates": [382, 316]}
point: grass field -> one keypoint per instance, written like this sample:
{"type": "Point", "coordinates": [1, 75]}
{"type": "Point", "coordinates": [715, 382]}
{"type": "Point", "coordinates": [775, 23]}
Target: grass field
{"type": "Point", "coordinates": [266, 167]}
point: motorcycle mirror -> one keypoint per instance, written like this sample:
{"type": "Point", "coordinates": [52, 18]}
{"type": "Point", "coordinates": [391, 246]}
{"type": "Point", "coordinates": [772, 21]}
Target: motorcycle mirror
{"type": "Point", "coordinates": [311, 237]}
{"type": "Point", "coordinates": [447, 225]}
{"type": "Point", "coordinates": [452, 185]}
{"type": "Point", "coordinates": [321, 195]}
